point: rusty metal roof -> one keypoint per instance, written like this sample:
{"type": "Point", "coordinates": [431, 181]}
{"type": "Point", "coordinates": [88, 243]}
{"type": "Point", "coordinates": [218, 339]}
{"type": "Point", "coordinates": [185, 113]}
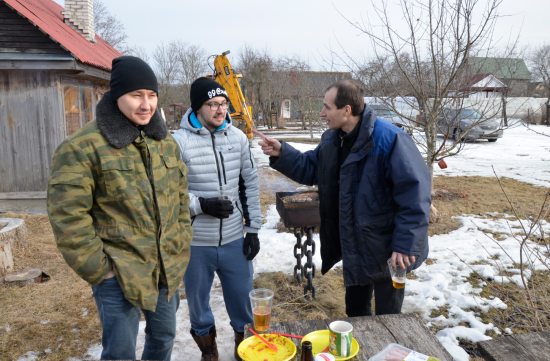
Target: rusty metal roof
{"type": "Point", "coordinates": [46, 14]}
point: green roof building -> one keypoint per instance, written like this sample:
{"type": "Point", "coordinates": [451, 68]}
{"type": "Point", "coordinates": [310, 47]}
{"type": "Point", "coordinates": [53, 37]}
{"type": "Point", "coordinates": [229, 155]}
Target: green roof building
{"type": "Point", "coordinates": [502, 68]}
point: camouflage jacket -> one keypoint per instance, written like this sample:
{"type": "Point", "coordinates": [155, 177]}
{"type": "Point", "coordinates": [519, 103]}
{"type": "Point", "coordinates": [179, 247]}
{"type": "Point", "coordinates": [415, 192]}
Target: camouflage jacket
{"type": "Point", "coordinates": [117, 196]}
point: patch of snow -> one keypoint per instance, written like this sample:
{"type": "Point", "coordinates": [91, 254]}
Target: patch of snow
{"type": "Point", "coordinates": [30, 356]}
{"type": "Point", "coordinates": [43, 322]}
{"type": "Point", "coordinates": [84, 312]}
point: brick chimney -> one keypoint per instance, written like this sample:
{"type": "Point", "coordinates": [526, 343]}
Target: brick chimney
{"type": "Point", "coordinates": [79, 14]}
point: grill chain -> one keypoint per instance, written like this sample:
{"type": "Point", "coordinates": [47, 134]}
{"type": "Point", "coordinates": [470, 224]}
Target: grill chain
{"type": "Point", "coordinates": [308, 270]}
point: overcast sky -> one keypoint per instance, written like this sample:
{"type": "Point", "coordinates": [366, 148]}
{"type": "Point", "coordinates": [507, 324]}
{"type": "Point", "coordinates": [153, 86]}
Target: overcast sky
{"type": "Point", "coordinates": [287, 27]}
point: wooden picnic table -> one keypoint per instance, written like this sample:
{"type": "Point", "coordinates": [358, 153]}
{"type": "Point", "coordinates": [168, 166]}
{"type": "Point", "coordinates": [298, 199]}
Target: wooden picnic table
{"type": "Point", "coordinates": [533, 346]}
{"type": "Point", "coordinates": [373, 334]}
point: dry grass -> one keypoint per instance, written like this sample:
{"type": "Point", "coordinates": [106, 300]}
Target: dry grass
{"type": "Point", "coordinates": [58, 303]}
{"type": "Point", "coordinates": [478, 195]}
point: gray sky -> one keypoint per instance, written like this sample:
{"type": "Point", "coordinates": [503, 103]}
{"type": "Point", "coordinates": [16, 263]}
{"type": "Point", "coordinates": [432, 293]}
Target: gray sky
{"type": "Point", "coordinates": [287, 27]}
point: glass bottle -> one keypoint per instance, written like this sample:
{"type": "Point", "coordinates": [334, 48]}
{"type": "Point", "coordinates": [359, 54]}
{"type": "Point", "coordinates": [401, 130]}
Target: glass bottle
{"type": "Point", "coordinates": [307, 351]}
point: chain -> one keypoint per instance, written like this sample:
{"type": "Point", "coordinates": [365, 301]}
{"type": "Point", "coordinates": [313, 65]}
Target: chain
{"type": "Point", "coordinates": [308, 270]}
{"type": "Point", "coordinates": [298, 256]}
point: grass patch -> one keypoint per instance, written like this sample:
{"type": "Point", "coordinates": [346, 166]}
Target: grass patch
{"type": "Point", "coordinates": [289, 303]}
{"type": "Point", "coordinates": [47, 315]}
{"type": "Point", "coordinates": [456, 196]}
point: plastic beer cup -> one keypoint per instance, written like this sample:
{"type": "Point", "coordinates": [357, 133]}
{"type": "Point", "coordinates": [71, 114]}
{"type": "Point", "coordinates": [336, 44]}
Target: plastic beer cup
{"type": "Point", "coordinates": [398, 276]}
{"type": "Point", "coordinates": [261, 300]}
{"type": "Point", "coordinates": [227, 192]}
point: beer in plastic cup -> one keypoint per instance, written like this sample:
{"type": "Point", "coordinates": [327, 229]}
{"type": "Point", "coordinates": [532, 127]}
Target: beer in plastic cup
{"type": "Point", "coordinates": [398, 276]}
{"type": "Point", "coordinates": [261, 300]}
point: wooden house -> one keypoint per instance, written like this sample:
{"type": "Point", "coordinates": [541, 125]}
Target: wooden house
{"type": "Point", "coordinates": [53, 71]}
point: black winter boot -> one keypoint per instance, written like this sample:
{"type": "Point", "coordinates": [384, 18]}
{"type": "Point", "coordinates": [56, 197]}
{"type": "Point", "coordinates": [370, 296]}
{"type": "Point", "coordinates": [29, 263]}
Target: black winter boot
{"type": "Point", "coordinates": [207, 345]}
{"type": "Point", "coordinates": [239, 336]}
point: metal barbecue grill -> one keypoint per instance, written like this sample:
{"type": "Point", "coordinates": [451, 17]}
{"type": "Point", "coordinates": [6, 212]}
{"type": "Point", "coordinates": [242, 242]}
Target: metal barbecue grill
{"type": "Point", "coordinates": [300, 211]}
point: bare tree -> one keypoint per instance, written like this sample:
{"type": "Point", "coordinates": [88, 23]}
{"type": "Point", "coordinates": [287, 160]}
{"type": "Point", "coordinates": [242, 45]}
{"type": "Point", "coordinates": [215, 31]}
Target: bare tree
{"type": "Point", "coordinates": [166, 58]}
{"type": "Point", "coordinates": [539, 59]}
{"type": "Point", "coordinates": [109, 27]}
{"type": "Point", "coordinates": [192, 62]}
{"type": "Point", "coordinates": [138, 51]}
{"type": "Point", "coordinates": [424, 64]}
{"type": "Point", "coordinates": [257, 67]}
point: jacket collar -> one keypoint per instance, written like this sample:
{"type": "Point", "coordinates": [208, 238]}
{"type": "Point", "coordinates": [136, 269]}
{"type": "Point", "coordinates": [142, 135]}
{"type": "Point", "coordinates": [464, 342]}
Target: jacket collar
{"type": "Point", "coordinates": [119, 131]}
{"type": "Point", "coordinates": [367, 127]}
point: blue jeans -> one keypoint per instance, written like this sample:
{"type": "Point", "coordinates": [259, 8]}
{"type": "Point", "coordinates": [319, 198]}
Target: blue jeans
{"type": "Point", "coordinates": [120, 323]}
{"type": "Point", "coordinates": [235, 273]}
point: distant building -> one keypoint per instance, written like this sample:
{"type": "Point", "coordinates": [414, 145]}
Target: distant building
{"type": "Point", "coordinates": [513, 72]}
{"type": "Point", "coordinates": [53, 71]}
{"type": "Point", "coordinates": [483, 86]}
{"type": "Point", "coordinates": [306, 90]}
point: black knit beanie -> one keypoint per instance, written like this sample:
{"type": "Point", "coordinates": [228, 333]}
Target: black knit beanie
{"type": "Point", "coordinates": [203, 89]}
{"type": "Point", "coordinates": [130, 73]}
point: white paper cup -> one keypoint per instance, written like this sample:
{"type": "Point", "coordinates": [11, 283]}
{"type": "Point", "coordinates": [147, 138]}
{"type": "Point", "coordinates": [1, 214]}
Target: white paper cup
{"type": "Point", "coordinates": [340, 338]}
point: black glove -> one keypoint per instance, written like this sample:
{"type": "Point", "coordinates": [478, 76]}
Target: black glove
{"type": "Point", "coordinates": [219, 208]}
{"type": "Point", "coordinates": [251, 241]}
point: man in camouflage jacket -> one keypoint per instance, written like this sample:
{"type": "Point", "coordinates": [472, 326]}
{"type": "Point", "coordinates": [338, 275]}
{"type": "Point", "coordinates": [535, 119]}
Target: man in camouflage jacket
{"type": "Point", "coordinates": [119, 206]}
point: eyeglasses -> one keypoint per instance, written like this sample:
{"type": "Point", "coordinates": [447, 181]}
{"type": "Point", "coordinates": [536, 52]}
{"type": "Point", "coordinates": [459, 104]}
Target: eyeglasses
{"type": "Point", "coordinates": [216, 106]}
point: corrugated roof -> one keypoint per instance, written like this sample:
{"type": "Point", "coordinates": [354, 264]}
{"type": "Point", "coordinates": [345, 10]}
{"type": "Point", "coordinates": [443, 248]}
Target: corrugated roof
{"type": "Point", "coordinates": [46, 14]}
{"type": "Point", "coordinates": [502, 68]}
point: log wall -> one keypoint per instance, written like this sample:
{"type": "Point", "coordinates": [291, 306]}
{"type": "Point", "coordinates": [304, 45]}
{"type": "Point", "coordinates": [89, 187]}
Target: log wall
{"type": "Point", "coordinates": [18, 35]}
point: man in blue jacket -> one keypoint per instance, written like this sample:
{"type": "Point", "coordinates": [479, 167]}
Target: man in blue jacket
{"type": "Point", "coordinates": [374, 190]}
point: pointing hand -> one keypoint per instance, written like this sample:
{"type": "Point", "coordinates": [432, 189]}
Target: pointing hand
{"type": "Point", "coordinates": [270, 146]}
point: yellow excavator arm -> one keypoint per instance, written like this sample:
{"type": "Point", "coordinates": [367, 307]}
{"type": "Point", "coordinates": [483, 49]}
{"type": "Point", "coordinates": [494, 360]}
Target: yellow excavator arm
{"type": "Point", "coordinates": [231, 82]}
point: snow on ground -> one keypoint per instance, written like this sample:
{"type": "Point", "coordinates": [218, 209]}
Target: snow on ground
{"type": "Point", "coordinates": [520, 154]}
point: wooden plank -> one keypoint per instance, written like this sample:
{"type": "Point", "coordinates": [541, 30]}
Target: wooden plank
{"type": "Point", "coordinates": [33, 50]}
{"type": "Point", "coordinates": [409, 331]}
{"type": "Point", "coordinates": [371, 334]}
{"type": "Point", "coordinates": [529, 346]}
{"type": "Point", "coordinates": [28, 26]}
{"type": "Point", "coordinates": [19, 21]}
{"type": "Point", "coordinates": [38, 45]}
{"type": "Point", "coordinates": [536, 343]}
{"type": "Point", "coordinates": [9, 15]}
{"type": "Point", "coordinates": [23, 32]}
{"type": "Point", "coordinates": [504, 349]}
{"type": "Point", "coordinates": [14, 38]}
{"type": "Point", "coordinates": [22, 195]}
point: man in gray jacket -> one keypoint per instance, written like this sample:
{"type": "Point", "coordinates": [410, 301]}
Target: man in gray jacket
{"type": "Point", "coordinates": [217, 154]}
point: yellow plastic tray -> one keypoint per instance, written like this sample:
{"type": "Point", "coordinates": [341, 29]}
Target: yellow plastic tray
{"type": "Point", "coordinates": [320, 339]}
{"type": "Point", "coordinates": [253, 349]}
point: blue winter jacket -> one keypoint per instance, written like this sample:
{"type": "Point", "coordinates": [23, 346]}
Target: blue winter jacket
{"type": "Point", "coordinates": [384, 198]}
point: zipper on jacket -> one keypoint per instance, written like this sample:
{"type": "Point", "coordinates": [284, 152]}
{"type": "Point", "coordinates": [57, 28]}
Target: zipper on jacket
{"type": "Point", "coordinates": [241, 212]}
{"type": "Point", "coordinates": [250, 154]}
{"type": "Point", "coordinates": [217, 160]}
{"type": "Point", "coordinates": [219, 178]}
{"type": "Point", "coordinates": [223, 168]}
{"type": "Point", "coordinates": [155, 203]}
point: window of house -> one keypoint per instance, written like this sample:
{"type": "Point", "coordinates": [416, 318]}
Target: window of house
{"type": "Point", "coordinates": [78, 101]}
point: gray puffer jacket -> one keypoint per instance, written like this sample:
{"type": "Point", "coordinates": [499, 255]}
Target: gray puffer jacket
{"type": "Point", "coordinates": [215, 159]}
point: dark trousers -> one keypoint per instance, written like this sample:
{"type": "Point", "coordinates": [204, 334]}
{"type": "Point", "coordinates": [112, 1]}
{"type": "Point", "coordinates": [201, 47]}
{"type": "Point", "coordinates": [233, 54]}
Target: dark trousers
{"type": "Point", "coordinates": [387, 299]}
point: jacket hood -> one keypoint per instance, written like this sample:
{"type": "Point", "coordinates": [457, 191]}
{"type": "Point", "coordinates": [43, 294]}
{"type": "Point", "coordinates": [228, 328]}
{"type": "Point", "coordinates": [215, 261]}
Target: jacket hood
{"type": "Point", "coordinates": [186, 123]}
{"type": "Point", "coordinates": [119, 131]}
